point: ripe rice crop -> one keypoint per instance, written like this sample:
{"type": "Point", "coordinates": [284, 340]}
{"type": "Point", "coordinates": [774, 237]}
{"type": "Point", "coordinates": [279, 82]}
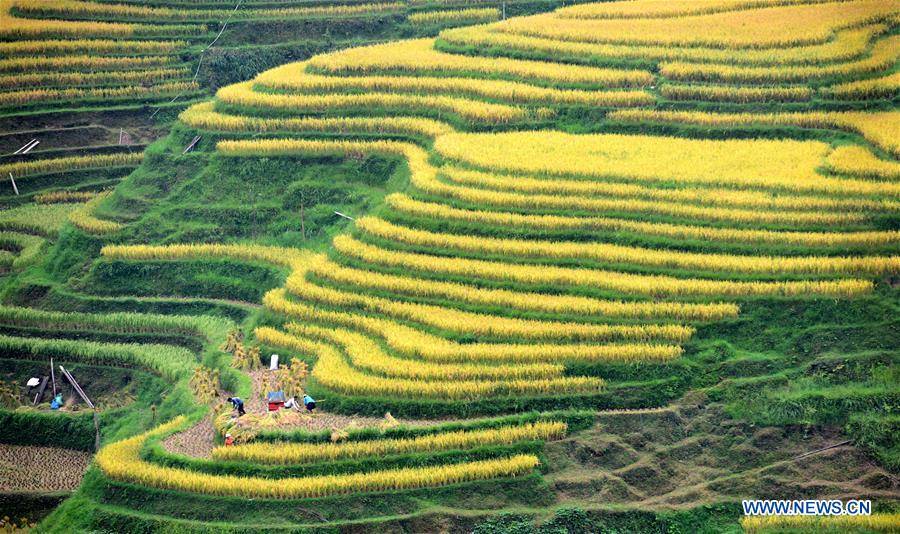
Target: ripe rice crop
{"type": "Point", "coordinates": [430, 210]}
{"type": "Point", "coordinates": [83, 217]}
{"type": "Point", "coordinates": [99, 46]}
{"type": "Point", "coordinates": [879, 127]}
{"type": "Point", "coordinates": [419, 57]}
{"type": "Point", "coordinates": [651, 285]}
{"type": "Point", "coordinates": [70, 163]}
{"type": "Point", "coordinates": [608, 252]}
{"type": "Point", "coordinates": [883, 87]}
{"type": "Point", "coordinates": [774, 164]}
{"type": "Point", "coordinates": [785, 26]}
{"type": "Point", "coordinates": [560, 191]}
{"type": "Point", "coordinates": [474, 110]}
{"type": "Point", "coordinates": [81, 62]}
{"type": "Point", "coordinates": [483, 324]}
{"type": "Point", "coordinates": [674, 207]}
{"type": "Point", "coordinates": [859, 161]}
{"type": "Point", "coordinates": [203, 116]}
{"type": "Point", "coordinates": [519, 300]}
{"type": "Point", "coordinates": [412, 342]}
{"type": "Point", "coordinates": [103, 9]}
{"type": "Point", "coordinates": [131, 91]}
{"type": "Point", "coordinates": [740, 95]}
{"type": "Point", "coordinates": [884, 54]}
{"type": "Point", "coordinates": [284, 257]}
{"type": "Point", "coordinates": [333, 371]}
{"type": "Point", "coordinates": [293, 76]}
{"type": "Point", "coordinates": [874, 523]}
{"type": "Point", "coordinates": [652, 9]}
{"type": "Point", "coordinates": [296, 453]}
{"type": "Point", "coordinates": [455, 16]}
{"type": "Point", "coordinates": [64, 196]}
{"type": "Point", "coordinates": [19, 28]}
{"type": "Point", "coordinates": [365, 353]}
{"type": "Point", "coordinates": [788, 165]}
{"type": "Point", "coordinates": [846, 44]}
{"type": "Point", "coordinates": [94, 78]}
{"type": "Point", "coordinates": [122, 461]}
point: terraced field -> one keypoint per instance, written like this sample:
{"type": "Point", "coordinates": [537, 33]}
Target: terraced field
{"type": "Point", "coordinates": [611, 267]}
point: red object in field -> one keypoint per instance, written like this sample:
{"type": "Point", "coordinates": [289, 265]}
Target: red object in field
{"type": "Point", "coordinates": [229, 441]}
{"type": "Point", "coordinates": [276, 401]}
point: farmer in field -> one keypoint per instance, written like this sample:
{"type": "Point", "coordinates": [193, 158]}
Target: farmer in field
{"type": "Point", "coordinates": [309, 402]}
{"type": "Point", "coordinates": [238, 405]}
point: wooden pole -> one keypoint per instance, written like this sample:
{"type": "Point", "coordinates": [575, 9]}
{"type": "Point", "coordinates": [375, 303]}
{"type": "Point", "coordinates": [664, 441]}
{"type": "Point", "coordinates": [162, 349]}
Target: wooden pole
{"type": "Point", "coordinates": [80, 392]}
{"type": "Point", "coordinates": [53, 376]}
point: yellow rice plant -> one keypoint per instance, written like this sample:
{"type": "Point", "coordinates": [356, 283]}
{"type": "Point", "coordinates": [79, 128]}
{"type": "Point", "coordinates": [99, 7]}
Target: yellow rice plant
{"type": "Point", "coordinates": [280, 256]}
{"type": "Point", "coordinates": [468, 16]}
{"type": "Point", "coordinates": [299, 453]}
{"type": "Point", "coordinates": [765, 204]}
{"type": "Point", "coordinates": [242, 94]}
{"type": "Point", "coordinates": [70, 163]}
{"type": "Point", "coordinates": [16, 27]}
{"type": "Point", "coordinates": [365, 353]}
{"type": "Point", "coordinates": [785, 26]}
{"type": "Point", "coordinates": [653, 9]}
{"type": "Point", "coordinates": [204, 384]}
{"type": "Point", "coordinates": [103, 9]}
{"type": "Point", "coordinates": [676, 207]}
{"type": "Point", "coordinates": [122, 461]}
{"type": "Point", "coordinates": [293, 76]}
{"type": "Point", "coordinates": [882, 87]}
{"type": "Point", "coordinates": [83, 217]}
{"type": "Point", "coordinates": [774, 164]}
{"type": "Point", "coordinates": [93, 78]}
{"type": "Point", "coordinates": [879, 127]}
{"type": "Point", "coordinates": [419, 57]}
{"type": "Point", "coordinates": [781, 164]}
{"type": "Point", "coordinates": [839, 523]}
{"type": "Point", "coordinates": [569, 304]}
{"type": "Point", "coordinates": [846, 44]}
{"type": "Point", "coordinates": [884, 54]}
{"type": "Point", "coordinates": [42, 63]}
{"type": "Point", "coordinates": [19, 28]}
{"type": "Point", "coordinates": [416, 343]}
{"type": "Point", "coordinates": [450, 319]}
{"type": "Point", "coordinates": [55, 197]}
{"type": "Point", "coordinates": [131, 91]}
{"type": "Point", "coordinates": [333, 371]}
{"type": "Point", "coordinates": [612, 253]}
{"type": "Point", "coordinates": [204, 116]}
{"type": "Point", "coordinates": [860, 161]}
{"type": "Point", "coordinates": [651, 285]}
{"type": "Point", "coordinates": [434, 211]}
{"type": "Point", "coordinates": [737, 94]}
{"type": "Point", "coordinates": [98, 46]}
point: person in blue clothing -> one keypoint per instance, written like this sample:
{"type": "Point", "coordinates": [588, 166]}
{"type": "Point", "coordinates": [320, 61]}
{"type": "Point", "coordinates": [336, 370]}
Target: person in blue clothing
{"type": "Point", "coordinates": [238, 405]}
{"type": "Point", "coordinates": [309, 402]}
